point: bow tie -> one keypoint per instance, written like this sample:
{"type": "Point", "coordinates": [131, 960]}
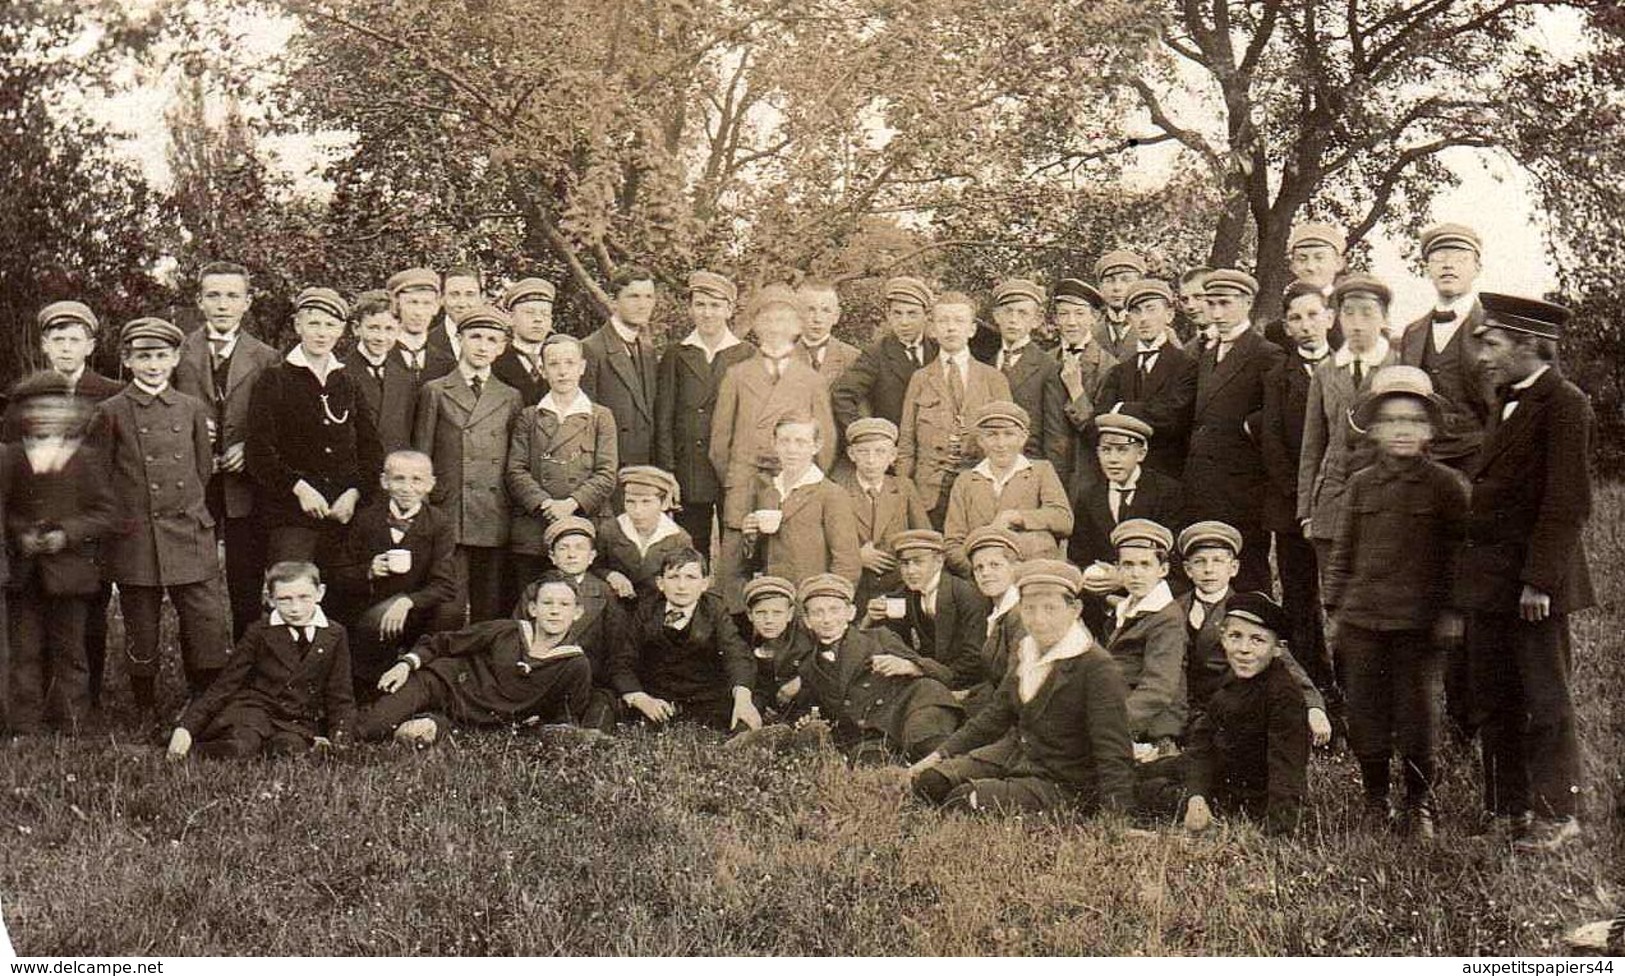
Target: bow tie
{"type": "Point", "coordinates": [674, 618]}
{"type": "Point", "coordinates": [1443, 315]}
{"type": "Point", "coordinates": [399, 524]}
{"type": "Point", "coordinates": [1512, 395]}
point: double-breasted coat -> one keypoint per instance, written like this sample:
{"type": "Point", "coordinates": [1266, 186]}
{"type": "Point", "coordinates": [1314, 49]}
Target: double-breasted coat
{"type": "Point", "coordinates": [553, 457]}
{"type": "Point", "coordinates": [932, 421]}
{"type": "Point", "coordinates": [624, 380]}
{"type": "Point", "coordinates": [818, 532]}
{"type": "Point", "coordinates": [270, 686]}
{"type": "Point", "coordinates": [467, 437]}
{"type": "Point", "coordinates": [228, 397]}
{"type": "Point", "coordinates": [683, 415]}
{"type": "Point", "coordinates": [1149, 646]}
{"type": "Point", "coordinates": [750, 403]}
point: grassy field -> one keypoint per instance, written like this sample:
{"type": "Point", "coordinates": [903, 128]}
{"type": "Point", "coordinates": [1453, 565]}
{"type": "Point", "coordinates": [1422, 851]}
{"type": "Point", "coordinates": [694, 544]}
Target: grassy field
{"type": "Point", "coordinates": [665, 843]}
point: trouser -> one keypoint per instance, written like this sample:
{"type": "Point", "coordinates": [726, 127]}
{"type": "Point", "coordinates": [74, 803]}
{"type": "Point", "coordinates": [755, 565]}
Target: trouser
{"type": "Point", "coordinates": [244, 540]}
{"type": "Point", "coordinates": [204, 637]}
{"type": "Point", "coordinates": [1520, 688]}
{"type": "Point", "coordinates": [47, 639]}
{"type": "Point", "coordinates": [96, 640]}
{"type": "Point", "coordinates": [371, 655]}
{"type": "Point", "coordinates": [732, 569]}
{"type": "Point", "coordinates": [1300, 598]}
{"type": "Point", "coordinates": [314, 542]}
{"type": "Point", "coordinates": [1254, 575]}
{"type": "Point", "coordinates": [429, 694]}
{"type": "Point", "coordinates": [1391, 679]}
{"type": "Point", "coordinates": [972, 785]}
{"type": "Point", "coordinates": [696, 518]}
{"type": "Point", "coordinates": [482, 569]}
{"type": "Point", "coordinates": [245, 733]}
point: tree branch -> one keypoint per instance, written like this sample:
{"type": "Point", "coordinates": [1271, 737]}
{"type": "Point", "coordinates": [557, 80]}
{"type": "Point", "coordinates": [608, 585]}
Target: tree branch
{"type": "Point", "coordinates": [1160, 119]}
{"type": "Point", "coordinates": [889, 266]}
{"type": "Point", "coordinates": [1384, 189]}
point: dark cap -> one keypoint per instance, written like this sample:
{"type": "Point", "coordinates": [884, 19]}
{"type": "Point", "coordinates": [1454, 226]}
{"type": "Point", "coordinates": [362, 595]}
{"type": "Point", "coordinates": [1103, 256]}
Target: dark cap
{"type": "Point", "coordinates": [150, 333]}
{"type": "Point", "coordinates": [1527, 315]}
{"type": "Point", "coordinates": [1075, 291]}
{"type": "Point", "coordinates": [1259, 609]}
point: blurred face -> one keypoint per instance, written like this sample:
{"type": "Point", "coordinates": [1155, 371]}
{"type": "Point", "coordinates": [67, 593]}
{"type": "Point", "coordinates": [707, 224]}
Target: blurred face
{"type": "Point", "coordinates": [1452, 270]}
{"type": "Point", "coordinates": [906, 320]}
{"type": "Point", "coordinates": [710, 314]}
{"type": "Point", "coordinates": [635, 303]}
{"type": "Point", "coordinates": [378, 333]}
{"type": "Point", "coordinates": [1016, 321]}
{"type": "Point", "coordinates": [994, 570]}
{"type": "Point", "coordinates": [1307, 321]}
{"type": "Point", "coordinates": [532, 321]}
{"type": "Point", "coordinates": [777, 328]}
{"type": "Point", "coordinates": [918, 567]}
{"type": "Point", "coordinates": [644, 505]}
{"type": "Point", "coordinates": [1401, 427]}
{"type": "Point", "coordinates": [1002, 442]}
{"type": "Point", "coordinates": [462, 296]}
{"type": "Point", "coordinates": [1211, 568]}
{"type": "Point", "coordinates": [1150, 319]}
{"type": "Point", "coordinates": [796, 445]}
{"type": "Point", "coordinates": [151, 366]}
{"type": "Point", "coordinates": [50, 418]}
{"type": "Point", "coordinates": [1316, 264]}
{"type": "Point", "coordinates": [1047, 613]}
{"type": "Point", "coordinates": [828, 617]}
{"type": "Point", "coordinates": [1363, 318]}
{"type": "Point", "coordinates": [1141, 568]}
{"type": "Point", "coordinates": [1227, 310]}
{"type": "Point", "coordinates": [415, 307]}
{"type": "Point", "coordinates": [1114, 285]}
{"type": "Point", "coordinates": [297, 600]}
{"type": "Point", "coordinates": [481, 347]}
{"type": "Point", "coordinates": [573, 553]}
{"type": "Point", "coordinates": [1503, 360]}
{"type": "Point", "coordinates": [1075, 323]}
{"type": "Point", "coordinates": [563, 366]}
{"type": "Point", "coordinates": [1248, 647]}
{"type": "Point", "coordinates": [682, 586]}
{"type": "Point", "coordinates": [318, 331]}
{"type": "Point", "coordinates": [771, 616]}
{"type": "Point", "coordinates": [953, 325]}
{"type": "Point", "coordinates": [1192, 301]}
{"type": "Point", "coordinates": [223, 300]}
{"type": "Point", "coordinates": [1119, 456]}
{"type": "Point", "coordinates": [823, 307]}
{"type": "Point", "coordinates": [554, 609]}
{"type": "Point", "coordinates": [872, 456]}
{"type": "Point", "coordinates": [67, 347]}
{"type": "Point", "coordinates": [407, 480]}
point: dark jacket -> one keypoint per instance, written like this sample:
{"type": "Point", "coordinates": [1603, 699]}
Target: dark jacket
{"type": "Point", "coordinates": [76, 500]}
{"type": "Point", "coordinates": [1206, 666]}
{"type": "Point", "coordinates": [1035, 384]}
{"type": "Point", "coordinates": [953, 638]}
{"type": "Point", "coordinates": [1469, 403]}
{"type": "Point", "coordinates": [431, 582]}
{"type": "Point", "coordinates": [682, 432]}
{"type": "Point", "coordinates": [1163, 398]}
{"type": "Point", "coordinates": [467, 438]}
{"type": "Point", "coordinates": [1286, 399]}
{"type": "Point", "coordinates": [874, 386]}
{"type": "Point", "coordinates": [1149, 648]}
{"type": "Point", "coordinates": [897, 507]}
{"type": "Point", "coordinates": [856, 699]}
{"type": "Point", "coordinates": [229, 397]}
{"type": "Point", "coordinates": [613, 379]}
{"type": "Point", "coordinates": [1157, 497]}
{"type": "Point", "coordinates": [514, 369]}
{"type": "Point", "coordinates": [1224, 469]}
{"type": "Point", "coordinates": [390, 394]}
{"type": "Point", "coordinates": [308, 693]}
{"type": "Point", "coordinates": [1250, 751]}
{"type": "Point", "coordinates": [703, 662]}
{"type": "Point", "coordinates": [489, 674]}
{"type": "Point", "coordinates": [294, 435]}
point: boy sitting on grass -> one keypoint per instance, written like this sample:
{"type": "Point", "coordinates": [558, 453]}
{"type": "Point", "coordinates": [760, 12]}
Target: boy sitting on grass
{"type": "Point", "coordinates": [636, 541]}
{"type": "Point", "coordinates": [777, 643]}
{"type": "Point", "coordinates": [286, 688]}
{"type": "Point", "coordinates": [493, 674]}
{"type": "Point", "coordinates": [1148, 640]}
{"type": "Point", "coordinates": [602, 627]}
{"type": "Point", "coordinates": [1249, 753]}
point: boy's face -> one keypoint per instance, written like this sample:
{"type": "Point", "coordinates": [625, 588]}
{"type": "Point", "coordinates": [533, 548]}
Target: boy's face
{"type": "Point", "coordinates": [415, 307]}
{"type": "Point", "coordinates": [1114, 286]}
{"type": "Point", "coordinates": [407, 480]}
{"type": "Point", "coordinates": [1075, 323]}
{"type": "Point", "coordinates": [823, 307]}
{"type": "Point", "coordinates": [1364, 319]}
{"type": "Point", "coordinates": [1307, 321]}
{"type": "Point", "coordinates": [777, 326]}
{"type": "Point", "coordinates": [1452, 270]}
{"type": "Point", "coordinates": [771, 616]}
{"type": "Point", "coordinates": [481, 347]}
{"type": "Point", "coordinates": [532, 320]}
{"type": "Point", "coordinates": [682, 585]}
{"type": "Point", "coordinates": [378, 333]}
{"type": "Point", "coordinates": [573, 553]}
{"type": "Point", "coordinates": [151, 366]}
{"type": "Point", "coordinates": [1248, 647]}
{"type": "Point", "coordinates": [918, 567]}
{"type": "Point", "coordinates": [994, 569]}
{"type": "Point", "coordinates": [953, 325]}
{"type": "Point", "coordinates": [1211, 568]}
{"type": "Point", "coordinates": [796, 445]}
{"type": "Point", "coordinates": [635, 303]}
{"type": "Point", "coordinates": [709, 314]}
{"type": "Point", "coordinates": [462, 296]}
{"type": "Point", "coordinates": [1119, 456]}
{"type": "Point", "coordinates": [1402, 427]}
{"type": "Point", "coordinates": [1192, 302]}
{"type": "Point", "coordinates": [1002, 442]}
{"type": "Point", "coordinates": [318, 331]}
{"type": "Point", "coordinates": [1315, 264]}
{"type": "Point", "coordinates": [564, 366]}
{"type": "Point", "coordinates": [644, 505]}
{"type": "Point", "coordinates": [1227, 309]}
{"type": "Point", "coordinates": [223, 300]}
{"type": "Point", "coordinates": [1016, 321]}
{"type": "Point", "coordinates": [1046, 613]}
{"type": "Point", "coordinates": [297, 599]}
{"type": "Point", "coordinates": [554, 609]}
{"type": "Point", "coordinates": [1150, 319]}
{"type": "Point", "coordinates": [872, 456]}
{"type": "Point", "coordinates": [906, 321]}
{"type": "Point", "coordinates": [66, 347]}
{"type": "Point", "coordinates": [828, 617]}
{"type": "Point", "coordinates": [1141, 568]}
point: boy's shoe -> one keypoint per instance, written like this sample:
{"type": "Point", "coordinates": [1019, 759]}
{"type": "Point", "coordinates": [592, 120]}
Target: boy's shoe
{"type": "Point", "coordinates": [1502, 828]}
{"type": "Point", "coordinates": [1547, 835]}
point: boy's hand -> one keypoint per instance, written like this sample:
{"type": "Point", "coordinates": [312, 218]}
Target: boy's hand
{"type": "Point", "coordinates": [789, 690]}
{"type": "Point", "coordinates": [620, 584]}
{"type": "Point", "coordinates": [321, 744]}
{"type": "Point", "coordinates": [744, 711]}
{"type": "Point", "coordinates": [1448, 629]}
{"type": "Point", "coordinates": [1320, 727]}
{"type": "Point", "coordinates": [652, 708]}
{"type": "Point", "coordinates": [379, 567]}
{"type": "Point", "coordinates": [892, 666]}
{"type": "Point", "coordinates": [395, 677]}
{"type": "Point", "coordinates": [233, 458]}
{"type": "Point", "coordinates": [750, 524]}
{"type": "Point", "coordinates": [343, 510]}
{"type": "Point", "coordinates": [1007, 519]}
{"type": "Point", "coordinates": [926, 763]}
{"type": "Point", "coordinates": [28, 542]}
{"type": "Point", "coordinates": [875, 561]}
{"type": "Point", "coordinates": [53, 540]}
{"type": "Point", "coordinates": [393, 621]}
{"type": "Point", "coordinates": [1101, 578]}
{"type": "Point", "coordinates": [180, 743]}
{"type": "Point", "coordinates": [556, 508]}
{"type": "Point", "coordinates": [311, 501]}
{"type": "Point", "coordinates": [875, 610]}
{"type": "Point", "coordinates": [1198, 816]}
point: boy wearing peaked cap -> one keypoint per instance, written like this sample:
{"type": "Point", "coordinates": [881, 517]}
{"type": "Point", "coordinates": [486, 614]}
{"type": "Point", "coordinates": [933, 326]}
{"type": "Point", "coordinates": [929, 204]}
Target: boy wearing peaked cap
{"type": "Point", "coordinates": [994, 556]}
{"type": "Point", "coordinates": [1316, 255]}
{"type": "Point", "coordinates": [691, 373]}
{"type": "Point", "coordinates": [875, 385]}
{"type": "Point", "coordinates": [636, 541]}
{"type": "Point", "coordinates": [1055, 735]}
{"type": "Point", "coordinates": [1156, 382]}
{"type": "Point", "coordinates": [1008, 490]}
{"type": "Point", "coordinates": [1034, 374]}
{"type": "Point", "coordinates": [313, 446]}
{"type": "Point", "coordinates": [155, 440]}
{"type": "Point", "coordinates": [1444, 344]}
{"type": "Point", "coordinates": [414, 295]}
{"type": "Point", "coordinates": [1114, 273]}
{"type": "Point", "coordinates": [778, 644]}
{"type": "Point", "coordinates": [601, 632]}
{"type": "Point", "coordinates": [1524, 570]}
{"type": "Point", "coordinates": [529, 304]}
{"type": "Point", "coordinates": [1084, 362]}
{"type": "Point", "coordinates": [939, 615]}
{"type": "Point", "coordinates": [882, 504]}
{"type": "Point", "coordinates": [1149, 640]}
{"type": "Point", "coordinates": [464, 424]}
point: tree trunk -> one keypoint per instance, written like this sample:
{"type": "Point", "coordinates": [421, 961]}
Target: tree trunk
{"type": "Point", "coordinates": [1230, 232]}
{"type": "Point", "coordinates": [1271, 270]}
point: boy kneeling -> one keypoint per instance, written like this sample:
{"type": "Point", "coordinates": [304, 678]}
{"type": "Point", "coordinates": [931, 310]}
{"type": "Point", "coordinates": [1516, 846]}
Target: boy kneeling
{"type": "Point", "coordinates": [492, 674]}
{"type": "Point", "coordinates": [1055, 734]}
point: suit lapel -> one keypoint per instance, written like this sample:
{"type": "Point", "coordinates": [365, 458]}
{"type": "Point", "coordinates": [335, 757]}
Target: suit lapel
{"type": "Point", "coordinates": [797, 500]}
{"type": "Point", "coordinates": [1507, 434]}
{"type": "Point", "coordinates": [621, 362]}
{"type": "Point", "coordinates": [457, 391]}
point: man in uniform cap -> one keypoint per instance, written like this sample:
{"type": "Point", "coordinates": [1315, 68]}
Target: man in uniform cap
{"type": "Point", "coordinates": [415, 293]}
{"type": "Point", "coordinates": [622, 372]}
{"type": "Point", "coordinates": [874, 386]}
{"type": "Point", "coordinates": [1115, 271]}
{"type": "Point", "coordinates": [529, 304]}
{"type": "Point", "coordinates": [1034, 374]}
{"type": "Point", "coordinates": [1316, 256]}
{"type": "Point", "coordinates": [1156, 381]}
{"type": "Point", "coordinates": [1524, 570]}
{"type": "Point", "coordinates": [1224, 469]}
{"type": "Point", "coordinates": [1443, 342]}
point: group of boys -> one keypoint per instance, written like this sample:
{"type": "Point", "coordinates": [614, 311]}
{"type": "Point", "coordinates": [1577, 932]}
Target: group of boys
{"type": "Point", "coordinates": [518, 526]}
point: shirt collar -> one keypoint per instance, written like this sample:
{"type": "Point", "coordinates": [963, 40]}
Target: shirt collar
{"type": "Point", "coordinates": [470, 374]}
{"type": "Point", "coordinates": [1462, 305]}
{"type": "Point", "coordinates": [1159, 598]}
{"type": "Point", "coordinates": [686, 612]}
{"type": "Point", "coordinates": [1132, 482]}
{"type": "Point", "coordinates": [1155, 345]}
{"type": "Point", "coordinates": [412, 341]}
{"type": "Point", "coordinates": [877, 487]}
{"type": "Point", "coordinates": [318, 620]}
{"type": "Point", "coordinates": [628, 334]}
{"type": "Point", "coordinates": [728, 341]}
{"type": "Point", "coordinates": [393, 510]}
{"type": "Point", "coordinates": [958, 359]}
{"type": "Point", "coordinates": [929, 593]}
{"type": "Point", "coordinates": [77, 375]}
{"type": "Point", "coordinates": [811, 476]}
{"type": "Point", "coordinates": [1373, 357]}
{"type": "Point", "coordinates": [1529, 380]}
{"type": "Point", "coordinates": [1006, 603]}
{"type": "Point", "coordinates": [1235, 332]}
{"type": "Point", "coordinates": [366, 356]}
{"type": "Point", "coordinates": [664, 529]}
{"type": "Point", "coordinates": [1033, 668]}
{"type": "Point", "coordinates": [1198, 595]}
{"type": "Point", "coordinates": [1021, 347]}
{"type": "Point", "coordinates": [530, 350]}
{"type": "Point", "coordinates": [985, 469]}
{"type": "Point", "coordinates": [296, 357]}
{"type": "Point", "coordinates": [579, 405]}
{"type": "Point", "coordinates": [151, 391]}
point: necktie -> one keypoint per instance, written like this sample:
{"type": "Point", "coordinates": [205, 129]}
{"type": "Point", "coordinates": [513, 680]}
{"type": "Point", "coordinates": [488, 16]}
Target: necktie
{"type": "Point", "coordinates": [1223, 347]}
{"type": "Point", "coordinates": [674, 617]}
{"type": "Point", "coordinates": [1199, 610]}
{"type": "Point", "coordinates": [815, 354]}
{"type": "Point", "coordinates": [956, 386]}
{"type": "Point", "coordinates": [1011, 358]}
{"type": "Point", "coordinates": [1443, 315]}
{"type": "Point", "coordinates": [301, 643]}
{"type": "Point", "coordinates": [914, 356]}
{"type": "Point", "coordinates": [1309, 363]}
{"type": "Point", "coordinates": [1146, 356]}
{"type": "Point", "coordinates": [398, 524]}
{"type": "Point", "coordinates": [414, 360]}
{"type": "Point", "coordinates": [1121, 498]}
{"type": "Point", "coordinates": [1509, 401]}
{"type": "Point", "coordinates": [1359, 374]}
{"type": "Point", "coordinates": [217, 349]}
{"type": "Point", "coordinates": [476, 384]}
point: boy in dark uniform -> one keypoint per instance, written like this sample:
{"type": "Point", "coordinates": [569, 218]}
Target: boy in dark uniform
{"type": "Point", "coordinates": [941, 616]}
{"type": "Point", "coordinates": [1148, 639]}
{"type": "Point", "coordinates": [383, 379]}
{"type": "Point", "coordinates": [601, 631]}
{"type": "Point", "coordinates": [636, 542]}
{"type": "Point", "coordinates": [875, 385]}
{"type": "Point", "coordinates": [1445, 345]}
{"type": "Point", "coordinates": [1157, 382]}
{"type": "Point", "coordinates": [529, 304]}
{"type": "Point", "coordinates": [778, 644]}
{"type": "Point", "coordinates": [415, 298]}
